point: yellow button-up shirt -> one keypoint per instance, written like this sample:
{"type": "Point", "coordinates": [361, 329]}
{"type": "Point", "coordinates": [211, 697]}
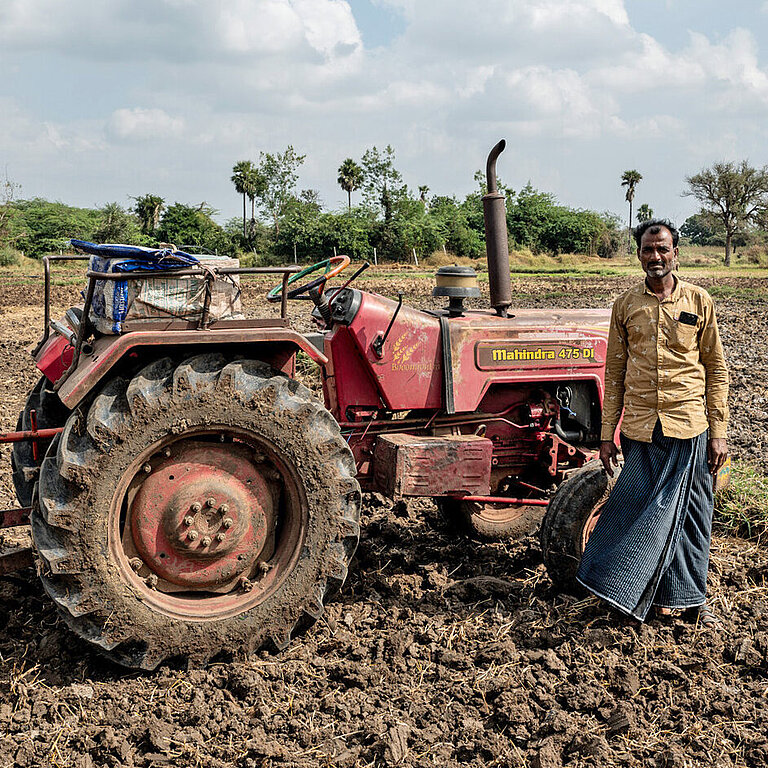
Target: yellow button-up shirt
{"type": "Point", "coordinates": [659, 366]}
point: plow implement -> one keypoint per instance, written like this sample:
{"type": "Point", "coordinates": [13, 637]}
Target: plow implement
{"type": "Point", "coordinates": [21, 557]}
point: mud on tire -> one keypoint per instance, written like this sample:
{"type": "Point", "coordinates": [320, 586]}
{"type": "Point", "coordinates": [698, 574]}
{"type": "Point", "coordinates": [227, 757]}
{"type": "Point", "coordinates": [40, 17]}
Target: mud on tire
{"type": "Point", "coordinates": [569, 520]}
{"type": "Point", "coordinates": [148, 462]}
{"type": "Point", "coordinates": [50, 412]}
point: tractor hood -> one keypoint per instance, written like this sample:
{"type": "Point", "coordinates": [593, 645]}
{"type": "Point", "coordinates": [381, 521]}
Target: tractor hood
{"type": "Point", "coordinates": [431, 360]}
{"type": "Point", "coordinates": [482, 349]}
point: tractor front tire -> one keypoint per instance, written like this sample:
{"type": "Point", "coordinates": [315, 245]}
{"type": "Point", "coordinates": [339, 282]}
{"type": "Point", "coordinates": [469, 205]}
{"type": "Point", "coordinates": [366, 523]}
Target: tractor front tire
{"type": "Point", "coordinates": [197, 508]}
{"type": "Point", "coordinates": [49, 413]}
{"type": "Point", "coordinates": [491, 522]}
{"type": "Point", "coordinates": [570, 519]}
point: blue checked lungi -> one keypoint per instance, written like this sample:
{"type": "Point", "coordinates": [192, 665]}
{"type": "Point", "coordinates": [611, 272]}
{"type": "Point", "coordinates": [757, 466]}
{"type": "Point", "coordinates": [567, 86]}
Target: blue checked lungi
{"type": "Point", "coordinates": [650, 545]}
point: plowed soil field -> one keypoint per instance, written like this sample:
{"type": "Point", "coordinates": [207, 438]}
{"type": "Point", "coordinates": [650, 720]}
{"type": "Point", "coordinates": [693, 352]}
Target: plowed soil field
{"type": "Point", "coordinates": [439, 651]}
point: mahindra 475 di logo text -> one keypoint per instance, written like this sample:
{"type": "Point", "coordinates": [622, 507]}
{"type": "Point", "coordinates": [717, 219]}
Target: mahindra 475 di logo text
{"type": "Point", "coordinates": [497, 355]}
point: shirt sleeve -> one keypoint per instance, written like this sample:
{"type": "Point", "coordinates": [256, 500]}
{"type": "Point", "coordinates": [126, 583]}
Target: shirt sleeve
{"type": "Point", "coordinates": [713, 359]}
{"type": "Point", "coordinates": [615, 371]}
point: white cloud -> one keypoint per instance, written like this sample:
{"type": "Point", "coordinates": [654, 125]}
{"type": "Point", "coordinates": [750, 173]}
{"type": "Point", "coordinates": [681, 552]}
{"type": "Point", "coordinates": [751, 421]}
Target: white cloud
{"type": "Point", "coordinates": [144, 124]}
{"type": "Point", "coordinates": [180, 30]}
{"type": "Point", "coordinates": [258, 27]}
{"type": "Point", "coordinates": [556, 14]}
{"type": "Point", "coordinates": [329, 26]}
{"type": "Point", "coordinates": [22, 135]}
{"type": "Point", "coordinates": [721, 74]}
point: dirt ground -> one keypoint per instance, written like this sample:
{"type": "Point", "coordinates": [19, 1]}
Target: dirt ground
{"type": "Point", "coordinates": [439, 651]}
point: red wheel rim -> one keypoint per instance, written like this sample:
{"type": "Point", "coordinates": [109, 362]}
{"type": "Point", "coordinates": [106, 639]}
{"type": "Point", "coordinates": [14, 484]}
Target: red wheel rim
{"type": "Point", "coordinates": [250, 523]}
{"type": "Point", "coordinates": [201, 517]}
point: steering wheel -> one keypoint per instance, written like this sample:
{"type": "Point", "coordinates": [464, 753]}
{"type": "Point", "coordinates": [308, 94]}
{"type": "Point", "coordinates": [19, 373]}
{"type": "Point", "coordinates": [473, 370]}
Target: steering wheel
{"type": "Point", "coordinates": [332, 267]}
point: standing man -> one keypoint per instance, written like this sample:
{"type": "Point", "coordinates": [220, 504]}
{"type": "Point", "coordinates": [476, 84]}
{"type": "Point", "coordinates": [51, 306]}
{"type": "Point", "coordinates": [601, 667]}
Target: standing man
{"type": "Point", "coordinates": [665, 368]}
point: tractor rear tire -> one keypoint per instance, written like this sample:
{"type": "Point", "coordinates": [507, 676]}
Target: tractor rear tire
{"type": "Point", "coordinates": [491, 522]}
{"type": "Point", "coordinates": [50, 413]}
{"type": "Point", "coordinates": [196, 508]}
{"type": "Point", "coordinates": [569, 521]}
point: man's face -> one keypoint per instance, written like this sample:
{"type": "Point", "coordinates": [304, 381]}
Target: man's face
{"type": "Point", "coordinates": [657, 255]}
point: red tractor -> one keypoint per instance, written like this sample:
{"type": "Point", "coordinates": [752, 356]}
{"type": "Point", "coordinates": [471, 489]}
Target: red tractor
{"type": "Point", "coordinates": [188, 496]}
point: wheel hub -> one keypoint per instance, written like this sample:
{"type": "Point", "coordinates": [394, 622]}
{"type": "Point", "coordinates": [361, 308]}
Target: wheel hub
{"type": "Point", "coordinates": [201, 517]}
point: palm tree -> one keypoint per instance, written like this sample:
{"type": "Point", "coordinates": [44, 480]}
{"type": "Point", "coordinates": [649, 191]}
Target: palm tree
{"type": "Point", "coordinates": [148, 208]}
{"type": "Point", "coordinates": [350, 178]}
{"type": "Point", "coordinates": [247, 181]}
{"type": "Point", "coordinates": [630, 179]}
{"type": "Point", "coordinates": [644, 213]}
{"type": "Point", "coordinates": [423, 189]}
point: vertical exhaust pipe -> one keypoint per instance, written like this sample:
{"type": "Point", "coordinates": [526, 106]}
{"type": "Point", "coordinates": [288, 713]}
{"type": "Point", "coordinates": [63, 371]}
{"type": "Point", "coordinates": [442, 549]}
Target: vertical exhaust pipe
{"type": "Point", "coordinates": [496, 241]}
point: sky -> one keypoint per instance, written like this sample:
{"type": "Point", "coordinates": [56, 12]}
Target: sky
{"type": "Point", "coordinates": [103, 101]}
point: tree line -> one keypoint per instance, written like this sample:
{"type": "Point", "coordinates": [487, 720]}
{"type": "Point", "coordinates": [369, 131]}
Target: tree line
{"type": "Point", "coordinates": [734, 206]}
{"type": "Point", "coordinates": [280, 223]}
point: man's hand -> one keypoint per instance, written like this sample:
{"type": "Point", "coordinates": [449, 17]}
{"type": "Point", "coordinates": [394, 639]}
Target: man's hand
{"type": "Point", "coordinates": [609, 453]}
{"type": "Point", "coordinates": [717, 453]}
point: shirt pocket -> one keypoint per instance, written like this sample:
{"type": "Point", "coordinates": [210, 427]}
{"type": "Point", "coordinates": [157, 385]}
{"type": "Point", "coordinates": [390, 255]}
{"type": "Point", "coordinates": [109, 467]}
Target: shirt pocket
{"type": "Point", "coordinates": [683, 337]}
{"type": "Point", "coordinates": [641, 329]}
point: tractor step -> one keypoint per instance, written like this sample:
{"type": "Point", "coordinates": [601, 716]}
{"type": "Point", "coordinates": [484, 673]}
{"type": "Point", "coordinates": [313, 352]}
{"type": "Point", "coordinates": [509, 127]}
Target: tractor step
{"type": "Point", "coordinates": [10, 518]}
{"type": "Point", "coordinates": [15, 560]}
{"type": "Point", "coordinates": [19, 557]}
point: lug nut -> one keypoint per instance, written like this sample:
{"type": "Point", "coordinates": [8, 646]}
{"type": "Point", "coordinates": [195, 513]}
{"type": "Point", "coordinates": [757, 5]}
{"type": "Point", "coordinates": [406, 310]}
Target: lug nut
{"type": "Point", "coordinates": [147, 468]}
{"type": "Point", "coordinates": [227, 522]}
{"type": "Point", "coordinates": [188, 520]}
{"type": "Point", "coordinates": [264, 567]}
{"type": "Point", "coordinates": [166, 452]}
{"type": "Point", "coordinates": [245, 584]}
{"type": "Point", "coordinates": [196, 507]}
{"type": "Point", "coordinates": [192, 535]}
{"type": "Point", "coordinates": [220, 537]}
{"type": "Point", "coordinates": [224, 508]}
{"type": "Point", "coordinates": [211, 502]}
{"type": "Point", "coordinates": [136, 563]}
{"type": "Point", "coordinates": [206, 541]}
{"type": "Point", "coordinates": [151, 580]}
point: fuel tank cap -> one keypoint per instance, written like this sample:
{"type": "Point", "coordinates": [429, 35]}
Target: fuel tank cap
{"type": "Point", "coordinates": [457, 283]}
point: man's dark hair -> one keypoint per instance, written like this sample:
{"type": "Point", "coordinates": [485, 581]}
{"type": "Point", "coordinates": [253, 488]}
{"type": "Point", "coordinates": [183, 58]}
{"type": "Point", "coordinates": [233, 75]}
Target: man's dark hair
{"type": "Point", "coordinates": [654, 227]}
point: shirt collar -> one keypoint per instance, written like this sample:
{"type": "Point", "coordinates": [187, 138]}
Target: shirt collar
{"type": "Point", "coordinates": [674, 296]}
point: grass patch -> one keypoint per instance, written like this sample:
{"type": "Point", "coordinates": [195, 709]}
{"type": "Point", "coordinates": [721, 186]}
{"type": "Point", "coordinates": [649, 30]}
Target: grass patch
{"type": "Point", "coordinates": [568, 271]}
{"type": "Point", "coordinates": [741, 509]}
{"type": "Point", "coordinates": [748, 292]}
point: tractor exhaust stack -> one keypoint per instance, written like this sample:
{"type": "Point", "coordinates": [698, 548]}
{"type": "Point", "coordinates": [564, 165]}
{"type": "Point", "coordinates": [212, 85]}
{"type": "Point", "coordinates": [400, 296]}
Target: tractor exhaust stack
{"type": "Point", "coordinates": [496, 242]}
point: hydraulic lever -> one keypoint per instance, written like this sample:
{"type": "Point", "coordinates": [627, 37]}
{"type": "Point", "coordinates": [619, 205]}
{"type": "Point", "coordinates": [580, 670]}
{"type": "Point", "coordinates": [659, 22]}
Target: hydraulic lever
{"type": "Point", "coordinates": [378, 343]}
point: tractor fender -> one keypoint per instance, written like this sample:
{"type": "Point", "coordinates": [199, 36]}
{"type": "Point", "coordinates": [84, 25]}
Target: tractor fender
{"type": "Point", "coordinates": [274, 345]}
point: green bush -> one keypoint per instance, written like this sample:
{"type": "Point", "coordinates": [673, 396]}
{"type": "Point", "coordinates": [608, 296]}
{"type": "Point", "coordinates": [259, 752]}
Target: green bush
{"type": "Point", "coordinates": [9, 257]}
{"type": "Point", "coordinates": [755, 254]}
{"type": "Point", "coordinates": [45, 227]}
{"type": "Point", "coordinates": [189, 227]}
{"type": "Point", "coordinates": [741, 509]}
{"type": "Point", "coordinates": [571, 231]}
{"type": "Point", "coordinates": [458, 224]}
